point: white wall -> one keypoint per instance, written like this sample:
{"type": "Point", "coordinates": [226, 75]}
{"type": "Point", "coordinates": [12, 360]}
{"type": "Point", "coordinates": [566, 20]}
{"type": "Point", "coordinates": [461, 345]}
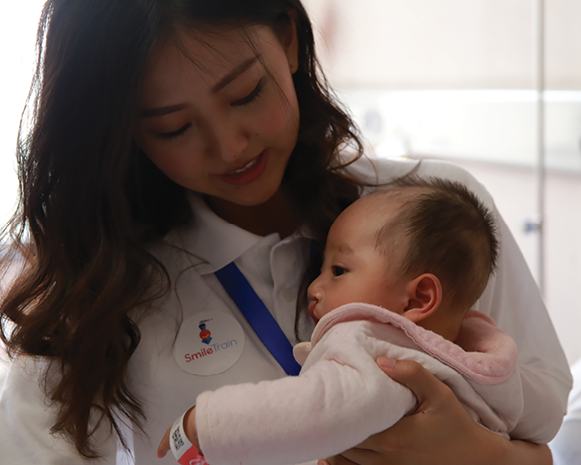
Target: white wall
{"type": "Point", "coordinates": [427, 44]}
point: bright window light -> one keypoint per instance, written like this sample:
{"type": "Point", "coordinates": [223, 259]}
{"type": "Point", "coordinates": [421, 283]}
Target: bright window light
{"type": "Point", "coordinates": [18, 22]}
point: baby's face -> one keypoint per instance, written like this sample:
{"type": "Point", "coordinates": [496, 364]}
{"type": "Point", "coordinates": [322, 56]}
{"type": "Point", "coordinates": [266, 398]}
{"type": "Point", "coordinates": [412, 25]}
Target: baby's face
{"type": "Point", "coordinates": [354, 270]}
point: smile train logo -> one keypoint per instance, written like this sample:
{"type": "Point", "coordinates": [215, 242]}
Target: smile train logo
{"type": "Point", "coordinates": [208, 343]}
{"type": "Point", "coordinates": [205, 334]}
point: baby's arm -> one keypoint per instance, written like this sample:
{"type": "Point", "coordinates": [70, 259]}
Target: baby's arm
{"type": "Point", "coordinates": [189, 426]}
{"type": "Point", "coordinates": [341, 399]}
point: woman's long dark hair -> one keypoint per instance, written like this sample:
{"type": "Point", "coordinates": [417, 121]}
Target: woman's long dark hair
{"type": "Point", "coordinates": [91, 202]}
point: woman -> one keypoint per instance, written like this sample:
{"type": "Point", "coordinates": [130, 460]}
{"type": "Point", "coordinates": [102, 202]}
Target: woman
{"type": "Point", "coordinates": [168, 139]}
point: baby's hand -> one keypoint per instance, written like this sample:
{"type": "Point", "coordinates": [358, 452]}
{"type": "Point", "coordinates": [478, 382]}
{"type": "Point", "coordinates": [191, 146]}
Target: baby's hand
{"type": "Point", "coordinates": [189, 429]}
{"type": "Point", "coordinates": [164, 447]}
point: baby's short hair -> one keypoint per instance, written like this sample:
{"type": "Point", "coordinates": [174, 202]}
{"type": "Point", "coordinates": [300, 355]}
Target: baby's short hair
{"type": "Point", "coordinates": [447, 231]}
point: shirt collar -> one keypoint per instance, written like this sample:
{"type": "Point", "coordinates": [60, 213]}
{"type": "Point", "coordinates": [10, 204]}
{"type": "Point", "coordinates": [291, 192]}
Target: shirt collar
{"type": "Point", "coordinates": [213, 240]}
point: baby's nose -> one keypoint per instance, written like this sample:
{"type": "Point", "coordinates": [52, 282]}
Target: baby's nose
{"type": "Point", "coordinates": [314, 291]}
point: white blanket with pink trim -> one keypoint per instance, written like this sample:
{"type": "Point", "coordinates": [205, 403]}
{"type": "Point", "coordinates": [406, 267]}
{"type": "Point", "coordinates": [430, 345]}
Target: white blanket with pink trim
{"type": "Point", "coordinates": [341, 397]}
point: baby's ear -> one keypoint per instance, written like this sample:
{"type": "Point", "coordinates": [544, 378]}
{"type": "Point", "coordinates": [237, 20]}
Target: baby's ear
{"type": "Point", "coordinates": [424, 297]}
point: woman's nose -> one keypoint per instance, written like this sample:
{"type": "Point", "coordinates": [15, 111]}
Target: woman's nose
{"type": "Point", "coordinates": [230, 140]}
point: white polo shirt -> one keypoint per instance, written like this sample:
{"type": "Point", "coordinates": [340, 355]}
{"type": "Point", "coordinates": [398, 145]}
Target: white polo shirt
{"type": "Point", "coordinates": [173, 364]}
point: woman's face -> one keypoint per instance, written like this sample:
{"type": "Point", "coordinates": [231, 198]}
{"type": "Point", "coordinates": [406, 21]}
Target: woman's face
{"type": "Point", "coordinates": [220, 115]}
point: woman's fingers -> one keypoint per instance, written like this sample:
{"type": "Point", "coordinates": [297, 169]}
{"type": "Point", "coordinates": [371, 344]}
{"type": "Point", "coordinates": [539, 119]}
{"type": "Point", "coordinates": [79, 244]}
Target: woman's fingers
{"type": "Point", "coordinates": [360, 456]}
{"type": "Point", "coordinates": [341, 460]}
{"type": "Point", "coordinates": [428, 389]}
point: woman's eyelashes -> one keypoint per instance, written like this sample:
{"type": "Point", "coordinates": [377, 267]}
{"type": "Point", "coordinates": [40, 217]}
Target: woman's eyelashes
{"type": "Point", "coordinates": [251, 96]}
{"type": "Point", "coordinates": [171, 135]}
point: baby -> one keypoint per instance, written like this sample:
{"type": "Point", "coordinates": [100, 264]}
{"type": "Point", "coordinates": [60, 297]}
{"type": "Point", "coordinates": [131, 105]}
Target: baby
{"type": "Point", "coordinates": [402, 268]}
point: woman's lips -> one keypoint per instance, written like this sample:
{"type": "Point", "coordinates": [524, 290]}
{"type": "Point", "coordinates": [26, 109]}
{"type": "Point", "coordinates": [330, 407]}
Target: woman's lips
{"type": "Point", "coordinates": [248, 173]}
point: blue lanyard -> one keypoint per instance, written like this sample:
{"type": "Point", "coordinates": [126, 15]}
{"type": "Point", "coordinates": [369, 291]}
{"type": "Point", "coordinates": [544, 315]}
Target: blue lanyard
{"type": "Point", "coordinates": [256, 313]}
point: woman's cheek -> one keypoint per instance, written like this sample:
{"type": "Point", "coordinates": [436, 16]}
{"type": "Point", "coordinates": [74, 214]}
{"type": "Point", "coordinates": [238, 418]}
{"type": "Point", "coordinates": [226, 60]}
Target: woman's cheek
{"type": "Point", "coordinates": [172, 161]}
{"type": "Point", "coordinates": [280, 111]}
{"type": "Point", "coordinates": [281, 121]}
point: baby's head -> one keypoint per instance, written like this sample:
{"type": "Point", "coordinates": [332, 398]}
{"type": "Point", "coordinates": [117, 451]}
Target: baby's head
{"type": "Point", "coordinates": [417, 246]}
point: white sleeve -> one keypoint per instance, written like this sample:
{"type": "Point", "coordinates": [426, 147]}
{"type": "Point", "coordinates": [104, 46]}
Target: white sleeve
{"type": "Point", "coordinates": [566, 447]}
{"type": "Point", "coordinates": [339, 401]}
{"type": "Point", "coordinates": [26, 419]}
{"type": "Point", "coordinates": [513, 300]}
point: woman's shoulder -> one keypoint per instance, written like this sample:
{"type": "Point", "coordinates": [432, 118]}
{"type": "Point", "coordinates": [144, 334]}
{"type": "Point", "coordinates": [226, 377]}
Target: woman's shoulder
{"type": "Point", "coordinates": [375, 172]}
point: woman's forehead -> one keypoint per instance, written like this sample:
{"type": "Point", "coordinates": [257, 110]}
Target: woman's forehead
{"type": "Point", "coordinates": [212, 58]}
{"type": "Point", "coordinates": [213, 51]}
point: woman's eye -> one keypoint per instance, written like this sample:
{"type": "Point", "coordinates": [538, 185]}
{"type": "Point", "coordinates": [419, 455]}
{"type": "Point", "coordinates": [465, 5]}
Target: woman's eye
{"type": "Point", "coordinates": [171, 135]}
{"type": "Point", "coordinates": [338, 271]}
{"type": "Point", "coordinates": [251, 96]}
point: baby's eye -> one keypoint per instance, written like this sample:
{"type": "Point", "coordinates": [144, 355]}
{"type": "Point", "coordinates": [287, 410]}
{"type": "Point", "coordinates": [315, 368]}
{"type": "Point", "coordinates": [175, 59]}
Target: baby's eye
{"type": "Point", "coordinates": [338, 270]}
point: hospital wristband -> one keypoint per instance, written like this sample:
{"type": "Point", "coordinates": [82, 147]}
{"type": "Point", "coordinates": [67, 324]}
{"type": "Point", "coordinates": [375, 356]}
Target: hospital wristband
{"type": "Point", "coordinates": [183, 450]}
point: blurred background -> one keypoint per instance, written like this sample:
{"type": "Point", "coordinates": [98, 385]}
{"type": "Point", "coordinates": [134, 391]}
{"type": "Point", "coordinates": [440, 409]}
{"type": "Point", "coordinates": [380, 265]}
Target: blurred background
{"type": "Point", "coordinates": [492, 85]}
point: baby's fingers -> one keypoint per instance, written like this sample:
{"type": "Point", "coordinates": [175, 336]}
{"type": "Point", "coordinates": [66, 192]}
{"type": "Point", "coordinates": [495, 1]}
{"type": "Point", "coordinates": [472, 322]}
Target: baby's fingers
{"type": "Point", "coordinates": [163, 447]}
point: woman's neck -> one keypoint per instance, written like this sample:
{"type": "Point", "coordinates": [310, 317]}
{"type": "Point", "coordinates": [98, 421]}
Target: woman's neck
{"type": "Point", "coordinates": [275, 215]}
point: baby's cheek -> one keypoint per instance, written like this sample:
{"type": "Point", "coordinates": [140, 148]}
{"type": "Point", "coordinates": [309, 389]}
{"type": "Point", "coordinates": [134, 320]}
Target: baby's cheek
{"type": "Point", "coordinates": [342, 297]}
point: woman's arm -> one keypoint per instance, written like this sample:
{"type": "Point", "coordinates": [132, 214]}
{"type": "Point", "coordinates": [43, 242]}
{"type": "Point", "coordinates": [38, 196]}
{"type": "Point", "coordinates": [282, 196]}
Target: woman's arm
{"type": "Point", "coordinates": [439, 432]}
{"type": "Point", "coordinates": [514, 301]}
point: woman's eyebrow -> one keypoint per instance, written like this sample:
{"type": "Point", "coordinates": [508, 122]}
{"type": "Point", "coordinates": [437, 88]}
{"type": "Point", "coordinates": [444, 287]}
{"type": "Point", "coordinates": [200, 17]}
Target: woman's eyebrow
{"type": "Point", "coordinates": [232, 75]}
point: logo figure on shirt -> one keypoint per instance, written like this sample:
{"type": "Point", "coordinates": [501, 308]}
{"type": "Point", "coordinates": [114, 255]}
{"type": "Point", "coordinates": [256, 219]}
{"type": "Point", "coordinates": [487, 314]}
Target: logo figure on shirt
{"type": "Point", "coordinates": [205, 334]}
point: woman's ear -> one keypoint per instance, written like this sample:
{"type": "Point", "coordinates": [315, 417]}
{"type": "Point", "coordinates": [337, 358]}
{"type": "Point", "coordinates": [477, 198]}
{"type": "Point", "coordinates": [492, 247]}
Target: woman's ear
{"type": "Point", "coordinates": [290, 42]}
{"type": "Point", "coordinates": [424, 297]}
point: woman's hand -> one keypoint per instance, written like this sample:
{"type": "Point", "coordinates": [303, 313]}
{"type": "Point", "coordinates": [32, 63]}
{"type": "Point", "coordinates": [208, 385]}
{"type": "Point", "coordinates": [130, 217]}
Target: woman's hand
{"type": "Point", "coordinates": [440, 431]}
